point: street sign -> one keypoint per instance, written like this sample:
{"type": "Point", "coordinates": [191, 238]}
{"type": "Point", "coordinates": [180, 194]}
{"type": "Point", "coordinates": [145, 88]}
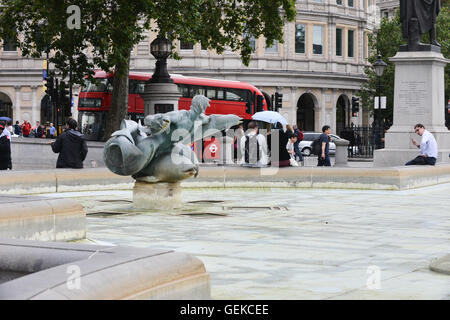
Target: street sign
{"type": "Point", "coordinates": [383, 103]}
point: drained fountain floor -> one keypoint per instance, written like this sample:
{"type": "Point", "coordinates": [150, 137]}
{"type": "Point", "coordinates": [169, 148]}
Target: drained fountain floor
{"type": "Point", "coordinates": [293, 244]}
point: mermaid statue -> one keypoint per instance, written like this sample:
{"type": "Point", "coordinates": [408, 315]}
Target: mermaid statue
{"type": "Point", "coordinates": [159, 150]}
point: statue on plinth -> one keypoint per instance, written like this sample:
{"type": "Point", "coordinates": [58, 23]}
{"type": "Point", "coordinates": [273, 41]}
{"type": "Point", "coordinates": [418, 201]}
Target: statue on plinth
{"type": "Point", "coordinates": [159, 150]}
{"type": "Point", "coordinates": [419, 17]}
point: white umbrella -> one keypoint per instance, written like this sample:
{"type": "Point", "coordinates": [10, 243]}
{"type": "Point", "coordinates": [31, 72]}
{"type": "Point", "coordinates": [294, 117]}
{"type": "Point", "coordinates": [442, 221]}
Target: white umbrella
{"type": "Point", "coordinates": [270, 117]}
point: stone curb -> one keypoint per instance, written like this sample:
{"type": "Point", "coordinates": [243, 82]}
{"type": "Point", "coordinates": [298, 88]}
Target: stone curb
{"type": "Point", "coordinates": [40, 270]}
{"type": "Point", "coordinates": [94, 179]}
{"type": "Point", "coordinates": [34, 218]}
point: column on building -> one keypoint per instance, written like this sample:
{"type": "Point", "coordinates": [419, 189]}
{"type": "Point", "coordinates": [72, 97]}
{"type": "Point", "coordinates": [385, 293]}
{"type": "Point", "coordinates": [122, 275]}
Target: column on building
{"type": "Point", "coordinates": [17, 115]}
{"type": "Point", "coordinates": [333, 110]}
{"type": "Point", "coordinates": [35, 110]}
{"type": "Point", "coordinates": [323, 113]}
{"type": "Point", "coordinates": [293, 116]}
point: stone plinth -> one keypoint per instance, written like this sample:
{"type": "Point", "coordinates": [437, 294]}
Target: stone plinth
{"type": "Point", "coordinates": [156, 196]}
{"type": "Point", "coordinates": [160, 95]}
{"type": "Point", "coordinates": [418, 98]}
{"type": "Point", "coordinates": [341, 152]}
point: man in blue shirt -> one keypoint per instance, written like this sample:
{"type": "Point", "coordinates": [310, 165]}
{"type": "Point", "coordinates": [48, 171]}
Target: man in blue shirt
{"type": "Point", "coordinates": [324, 158]}
{"type": "Point", "coordinates": [52, 131]}
{"type": "Point", "coordinates": [428, 147]}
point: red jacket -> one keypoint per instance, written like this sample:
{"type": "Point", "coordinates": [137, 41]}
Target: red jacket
{"type": "Point", "coordinates": [26, 129]}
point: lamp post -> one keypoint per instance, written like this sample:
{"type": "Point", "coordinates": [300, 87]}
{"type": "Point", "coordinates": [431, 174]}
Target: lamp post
{"type": "Point", "coordinates": [379, 66]}
{"type": "Point", "coordinates": [161, 48]}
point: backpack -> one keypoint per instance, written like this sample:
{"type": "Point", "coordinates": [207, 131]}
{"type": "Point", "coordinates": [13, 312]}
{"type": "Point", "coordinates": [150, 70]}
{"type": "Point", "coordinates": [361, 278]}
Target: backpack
{"type": "Point", "coordinates": [299, 135]}
{"type": "Point", "coordinates": [316, 148]}
{"type": "Point", "coordinates": [250, 144]}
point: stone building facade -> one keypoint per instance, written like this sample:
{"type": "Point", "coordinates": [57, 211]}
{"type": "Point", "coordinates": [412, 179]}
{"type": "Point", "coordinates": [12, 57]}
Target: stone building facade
{"type": "Point", "coordinates": [388, 8]}
{"type": "Point", "coordinates": [318, 68]}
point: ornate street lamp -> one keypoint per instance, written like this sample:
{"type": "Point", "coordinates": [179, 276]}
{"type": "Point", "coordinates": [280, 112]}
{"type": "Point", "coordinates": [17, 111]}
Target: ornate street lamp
{"type": "Point", "coordinates": [379, 66]}
{"type": "Point", "coordinates": [161, 48]}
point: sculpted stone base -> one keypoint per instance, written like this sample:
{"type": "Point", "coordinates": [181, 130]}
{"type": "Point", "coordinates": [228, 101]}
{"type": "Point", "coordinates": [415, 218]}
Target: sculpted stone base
{"type": "Point", "coordinates": [156, 196]}
{"type": "Point", "coordinates": [419, 97]}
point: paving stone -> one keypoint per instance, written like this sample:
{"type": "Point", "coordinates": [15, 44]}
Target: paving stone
{"type": "Point", "coordinates": [320, 248]}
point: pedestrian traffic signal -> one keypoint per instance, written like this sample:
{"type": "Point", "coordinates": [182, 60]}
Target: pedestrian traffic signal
{"type": "Point", "coordinates": [278, 100]}
{"type": "Point", "coordinates": [355, 106]}
{"type": "Point", "coordinates": [64, 99]}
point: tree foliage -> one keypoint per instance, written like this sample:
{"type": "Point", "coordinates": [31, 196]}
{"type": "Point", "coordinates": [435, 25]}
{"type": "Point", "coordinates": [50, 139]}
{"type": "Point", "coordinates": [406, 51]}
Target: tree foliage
{"type": "Point", "coordinates": [109, 29]}
{"type": "Point", "coordinates": [386, 42]}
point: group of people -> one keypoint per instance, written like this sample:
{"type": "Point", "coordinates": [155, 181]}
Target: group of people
{"type": "Point", "coordinates": [70, 145]}
{"type": "Point", "coordinates": [278, 147]}
{"type": "Point", "coordinates": [37, 131]}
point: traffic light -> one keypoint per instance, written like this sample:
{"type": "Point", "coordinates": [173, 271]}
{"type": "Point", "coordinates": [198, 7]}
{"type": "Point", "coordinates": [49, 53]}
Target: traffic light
{"type": "Point", "coordinates": [64, 99]}
{"type": "Point", "coordinates": [49, 86]}
{"type": "Point", "coordinates": [355, 106]}
{"type": "Point", "coordinates": [278, 100]}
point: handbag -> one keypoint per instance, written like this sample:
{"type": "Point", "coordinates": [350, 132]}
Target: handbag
{"type": "Point", "coordinates": [293, 163]}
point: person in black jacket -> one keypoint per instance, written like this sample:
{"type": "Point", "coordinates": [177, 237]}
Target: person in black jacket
{"type": "Point", "coordinates": [279, 157]}
{"type": "Point", "coordinates": [5, 150]}
{"type": "Point", "coordinates": [71, 146]}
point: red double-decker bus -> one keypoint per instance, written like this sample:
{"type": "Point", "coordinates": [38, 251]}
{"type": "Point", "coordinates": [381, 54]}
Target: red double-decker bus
{"type": "Point", "coordinates": [227, 97]}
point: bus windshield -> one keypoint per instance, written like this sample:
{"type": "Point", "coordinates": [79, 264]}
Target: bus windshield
{"type": "Point", "coordinates": [97, 85]}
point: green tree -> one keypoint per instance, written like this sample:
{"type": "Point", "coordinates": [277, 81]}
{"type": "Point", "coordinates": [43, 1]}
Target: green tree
{"type": "Point", "coordinates": [108, 30]}
{"type": "Point", "coordinates": [386, 42]}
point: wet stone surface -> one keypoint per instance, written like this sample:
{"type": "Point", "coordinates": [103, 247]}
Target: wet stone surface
{"type": "Point", "coordinates": [293, 243]}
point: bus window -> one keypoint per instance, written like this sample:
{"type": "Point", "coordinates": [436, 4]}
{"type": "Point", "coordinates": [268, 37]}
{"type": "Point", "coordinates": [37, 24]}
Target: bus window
{"type": "Point", "coordinates": [259, 103]}
{"type": "Point", "coordinates": [220, 94]}
{"type": "Point", "coordinates": [198, 90]}
{"type": "Point", "coordinates": [184, 90]}
{"type": "Point", "coordinates": [140, 87]}
{"type": "Point", "coordinates": [92, 125]}
{"type": "Point", "coordinates": [97, 85]}
{"type": "Point", "coordinates": [211, 93]}
{"type": "Point", "coordinates": [132, 86]}
{"type": "Point", "coordinates": [236, 95]}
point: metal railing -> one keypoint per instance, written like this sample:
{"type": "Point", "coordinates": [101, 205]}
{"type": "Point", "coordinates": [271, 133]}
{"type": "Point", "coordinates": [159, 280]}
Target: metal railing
{"type": "Point", "coordinates": [363, 141]}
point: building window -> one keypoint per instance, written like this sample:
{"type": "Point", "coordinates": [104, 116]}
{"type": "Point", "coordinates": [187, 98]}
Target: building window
{"type": "Point", "coordinates": [386, 14]}
{"type": "Point", "coordinates": [318, 1]}
{"type": "Point", "coordinates": [273, 48]}
{"type": "Point", "coordinates": [351, 43]}
{"type": "Point", "coordinates": [339, 42]}
{"type": "Point", "coordinates": [339, 2]}
{"type": "Point", "coordinates": [317, 39]}
{"type": "Point", "coordinates": [300, 38]}
{"type": "Point", "coordinates": [350, 3]}
{"type": "Point", "coordinates": [252, 41]}
{"type": "Point", "coordinates": [9, 45]}
{"type": "Point", "coordinates": [185, 45]}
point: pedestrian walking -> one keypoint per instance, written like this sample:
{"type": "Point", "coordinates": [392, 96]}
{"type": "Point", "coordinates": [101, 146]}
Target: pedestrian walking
{"type": "Point", "coordinates": [323, 160]}
{"type": "Point", "coordinates": [5, 149]}
{"type": "Point", "coordinates": [290, 149]}
{"type": "Point", "coordinates": [299, 134]}
{"type": "Point", "coordinates": [71, 146]}
{"type": "Point", "coordinates": [279, 155]}
{"type": "Point", "coordinates": [428, 147]}
{"type": "Point", "coordinates": [254, 147]}
{"type": "Point", "coordinates": [238, 134]}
